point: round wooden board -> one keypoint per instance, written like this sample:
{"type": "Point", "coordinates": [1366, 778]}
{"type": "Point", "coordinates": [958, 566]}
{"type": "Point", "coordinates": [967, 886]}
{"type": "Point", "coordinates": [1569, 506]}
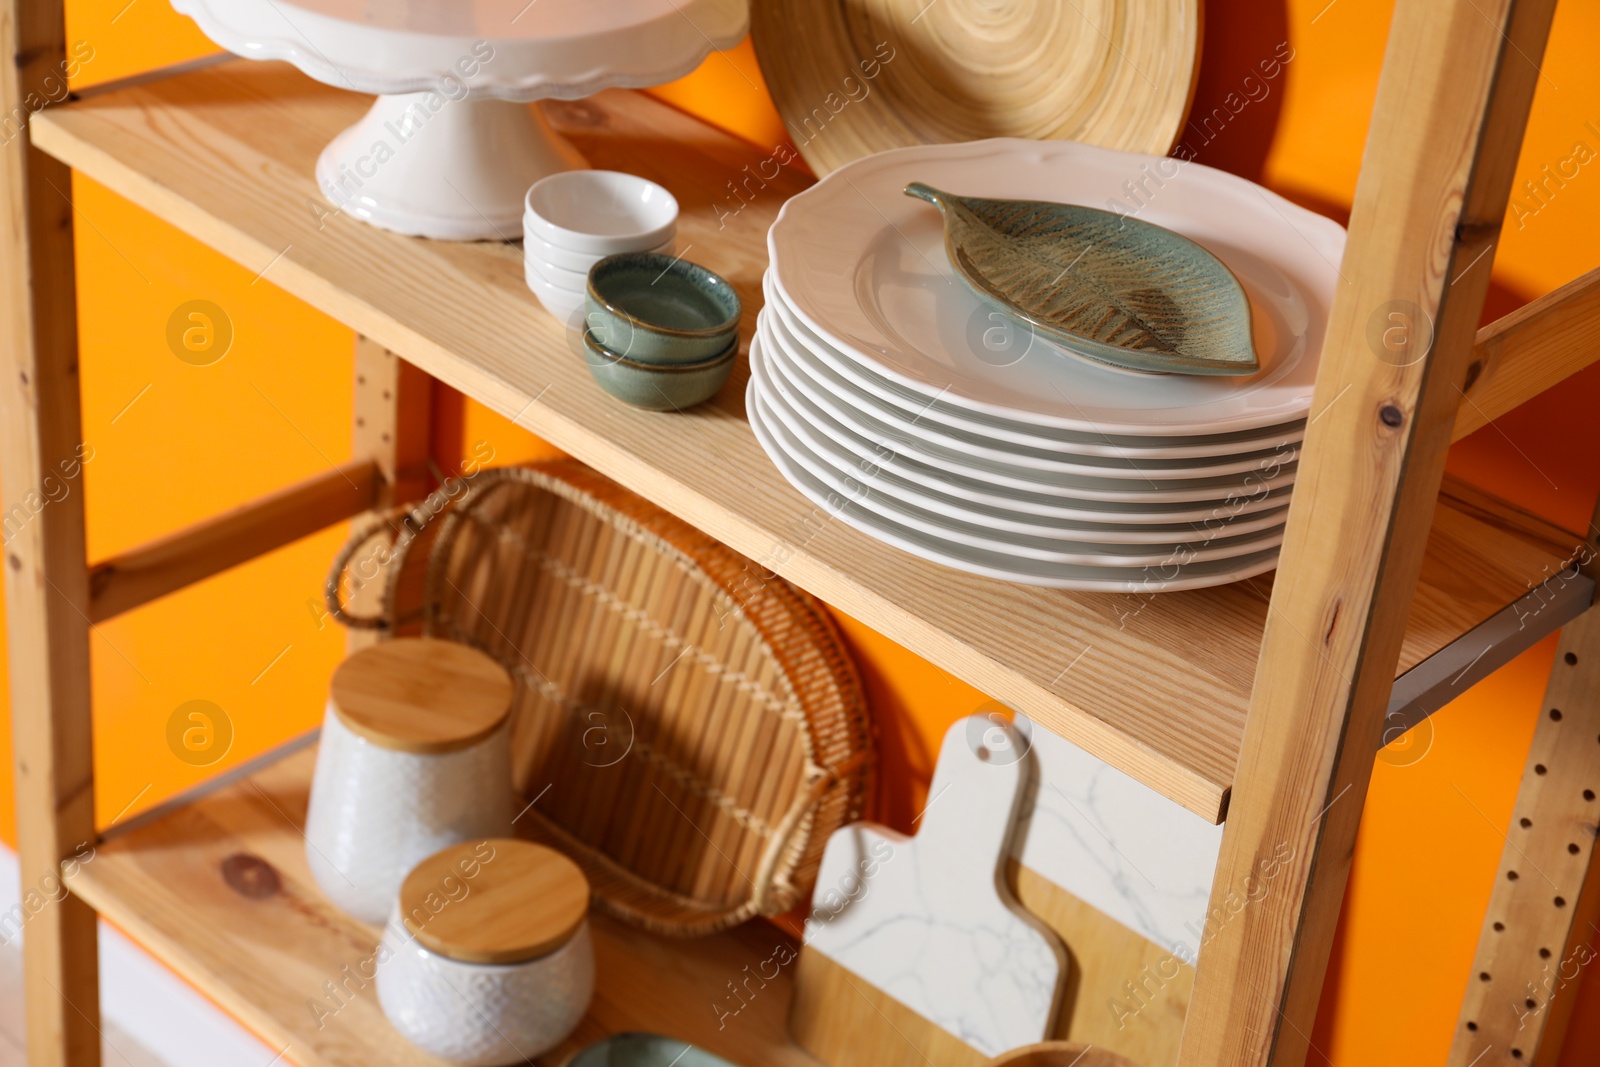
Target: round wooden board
{"type": "Point", "coordinates": [854, 77]}
{"type": "Point", "coordinates": [496, 901]}
{"type": "Point", "coordinates": [421, 695]}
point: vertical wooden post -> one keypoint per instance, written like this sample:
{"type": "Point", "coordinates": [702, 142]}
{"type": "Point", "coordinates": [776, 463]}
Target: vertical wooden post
{"type": "Point", "coordinates": [1457, 83]}
{"type": "Point", "coordinates": [393, 412]}
{"type": "Point", "coordinates": [46, 571]}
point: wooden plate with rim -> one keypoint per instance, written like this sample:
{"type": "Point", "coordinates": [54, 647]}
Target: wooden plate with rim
{"type": "Point", "coordinates": [853, 77]}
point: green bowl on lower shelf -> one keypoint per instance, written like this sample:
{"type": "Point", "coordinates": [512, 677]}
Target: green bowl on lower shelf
{"type": "Point", "coordinates": [644, 1050]}
{"type": "Point", "coordinates": [657, 386]}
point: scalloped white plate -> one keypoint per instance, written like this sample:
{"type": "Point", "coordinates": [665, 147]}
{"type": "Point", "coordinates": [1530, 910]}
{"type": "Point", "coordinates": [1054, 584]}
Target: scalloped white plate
{"type": "Point", "coordinates": [1147, 472]}
{"type": "Point", "coordinates": [1070, 445]}
{"type": "Point", "coordinates": [1275, 471]}
{"type": "Point", "coordinates": [1117, 524]}
{"type": "Point", "coordinates": [864, 267]}
{"type": "Point", "coordinates": [1165, 577]}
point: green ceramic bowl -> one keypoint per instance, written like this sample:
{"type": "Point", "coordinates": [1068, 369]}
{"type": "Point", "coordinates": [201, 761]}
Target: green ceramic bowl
{"type": "Point", "coordinates": [654, 308]}
{"type": "Point", "coordinates": [657, 386]}
{"type": "Point", "coordinates": [644, 1050]}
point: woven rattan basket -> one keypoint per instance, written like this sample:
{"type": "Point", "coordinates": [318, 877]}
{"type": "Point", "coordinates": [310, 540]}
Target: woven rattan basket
{"type": "Point", "coordinates": [686, 726]}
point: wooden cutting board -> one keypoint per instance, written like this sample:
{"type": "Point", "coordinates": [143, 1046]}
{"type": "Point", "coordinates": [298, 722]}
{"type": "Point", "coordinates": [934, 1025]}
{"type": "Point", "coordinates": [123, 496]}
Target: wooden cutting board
{"type": "Point", "coordinates": [855, 78]}
{"type": "Point", "coordinates": [915, 950]}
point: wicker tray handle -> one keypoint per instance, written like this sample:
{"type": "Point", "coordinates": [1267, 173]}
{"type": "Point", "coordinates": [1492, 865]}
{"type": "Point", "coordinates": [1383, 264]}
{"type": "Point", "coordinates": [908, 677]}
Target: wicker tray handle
{"type": "Point", "coordinates": [406, 526]}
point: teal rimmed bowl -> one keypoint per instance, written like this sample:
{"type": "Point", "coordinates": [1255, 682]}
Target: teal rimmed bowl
{"type": "Point", "coordinates": [654, 308]}
{"type": "Point", "coordinates": [657, 386]}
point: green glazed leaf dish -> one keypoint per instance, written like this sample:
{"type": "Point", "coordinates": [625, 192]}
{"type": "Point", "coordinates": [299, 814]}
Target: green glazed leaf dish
{"type": "Point", "coordinates": [1104, 286]}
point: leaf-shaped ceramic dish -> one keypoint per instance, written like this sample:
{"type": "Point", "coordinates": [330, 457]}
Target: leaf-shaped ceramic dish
{"type": "Point", "coordinates": [1105, 286]}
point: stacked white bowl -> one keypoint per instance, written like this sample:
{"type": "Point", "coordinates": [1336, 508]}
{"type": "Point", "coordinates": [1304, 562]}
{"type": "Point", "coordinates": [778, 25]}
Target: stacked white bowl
{"type": "Point", "coordinates": [576, 218]}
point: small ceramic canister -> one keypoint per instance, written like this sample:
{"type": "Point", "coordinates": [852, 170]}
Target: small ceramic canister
{"type": "Point", "coordinates": [414, 758]}
{"type": "Point", "coordinates": [487, 958]}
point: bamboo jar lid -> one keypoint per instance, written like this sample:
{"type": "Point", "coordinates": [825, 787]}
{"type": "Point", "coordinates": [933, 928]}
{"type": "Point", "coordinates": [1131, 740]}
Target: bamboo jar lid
{"type": "Point", "coordinates": [417, 694]}
{"type": "Point", "coordinates": [497, 901]}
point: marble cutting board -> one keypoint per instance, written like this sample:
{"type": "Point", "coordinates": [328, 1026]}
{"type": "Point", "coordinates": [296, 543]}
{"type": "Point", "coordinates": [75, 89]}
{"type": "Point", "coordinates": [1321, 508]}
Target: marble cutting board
{"type": "Point", "coordinates": [1115, 843]}
{"type": "Point", "coordinates": [928, 920]}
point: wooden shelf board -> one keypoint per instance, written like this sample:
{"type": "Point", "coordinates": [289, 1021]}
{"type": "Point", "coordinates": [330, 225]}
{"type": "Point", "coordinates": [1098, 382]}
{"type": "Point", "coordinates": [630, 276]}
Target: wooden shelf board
{"type": "Point", "coordinates": [267, 959]}
{"type": "Point", "coordinates": [1155, 685]}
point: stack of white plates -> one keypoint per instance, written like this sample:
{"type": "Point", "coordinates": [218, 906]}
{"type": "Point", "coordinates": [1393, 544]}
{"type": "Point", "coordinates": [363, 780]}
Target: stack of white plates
{"type": "Point", "coordinates": [887, 393]}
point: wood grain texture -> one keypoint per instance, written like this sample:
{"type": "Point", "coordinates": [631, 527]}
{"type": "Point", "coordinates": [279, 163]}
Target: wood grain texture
{"type": "Point", "coordinates": [46, 572]}
{"type": "Point", "coordinates": [1452, 104]}
{"type": "Point", "coordinates": [1535, 944]}
{"type": "Point", "coordinates": [219, 891]}
{"type": "Point", "coordinates": [1125, 994]}
{"type": "Point", "coordinates": [419, 694]}
{"type": "Point", "coordinates": [1157, 685]}
{"type": "Point", "coordinates": [517, 901]}
{"type": "Point", "coordinates": [1536, 347]}
{"type": "Point", "coordinates": [190, 555]}
{"type": "Point", "coordinates": [845, 1021]}
{"type": "Point", "coordinates": [850, 79]}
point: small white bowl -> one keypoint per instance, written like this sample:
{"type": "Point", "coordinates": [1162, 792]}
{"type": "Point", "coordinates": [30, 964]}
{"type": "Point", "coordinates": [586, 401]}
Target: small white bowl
{"type": "Point", "coordinates": [568, 279]}
{"type": "Point", "coordinates": [541, 251]}
{"type": "Point", "coordinates": [561, 302]}
{"type": "Point", "coordinates": [600, 211]}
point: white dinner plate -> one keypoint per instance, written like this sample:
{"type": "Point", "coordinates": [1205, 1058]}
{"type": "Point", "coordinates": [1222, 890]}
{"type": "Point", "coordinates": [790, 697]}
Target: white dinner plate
{"type": "Point", "coordinates": [850, 443]}
{"type": "Point", "coordinates": [1165, 577]}
{"type": "Point", "coordinates": [960, 421]}
{"type": "Point", "coordinates": [1047, 460]}
{"type": "Point", "coordinates": [888, 476]}
{"type": "Point", "coordinates": [873, 493]}
{"type": "Point", "coordinates": [955, 459]}
{"type": "Point", "coordinates": [864, 267]}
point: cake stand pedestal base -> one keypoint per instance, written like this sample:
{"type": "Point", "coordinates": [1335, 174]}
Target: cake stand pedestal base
{"type": "Point", "coordinates": [431, 166]}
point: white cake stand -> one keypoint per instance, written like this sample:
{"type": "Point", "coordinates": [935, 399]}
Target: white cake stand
{"type": "Point", "coordinates": [450, 146]}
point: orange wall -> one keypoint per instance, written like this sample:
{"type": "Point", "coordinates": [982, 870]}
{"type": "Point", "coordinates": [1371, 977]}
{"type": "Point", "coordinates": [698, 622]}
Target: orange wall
{"type": "Point", "coordinates": [173, 442]}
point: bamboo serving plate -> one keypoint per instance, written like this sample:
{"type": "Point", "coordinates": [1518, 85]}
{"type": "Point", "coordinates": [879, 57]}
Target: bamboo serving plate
{"type": "Point", "coordinates": [685, 726]}
{"type": "Point", "coordinates": [854, 77]}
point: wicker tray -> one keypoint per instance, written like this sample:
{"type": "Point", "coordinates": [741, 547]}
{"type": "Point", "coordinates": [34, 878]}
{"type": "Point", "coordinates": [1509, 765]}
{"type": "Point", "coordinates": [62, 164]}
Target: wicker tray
{"type": "Point", "coordinates": [687, 727]}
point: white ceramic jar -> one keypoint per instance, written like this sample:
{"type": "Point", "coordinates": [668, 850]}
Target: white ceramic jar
{"type": "Point", "coordinates": [414, 758]}
{"type": "Point", "coordinates": [486, 959]}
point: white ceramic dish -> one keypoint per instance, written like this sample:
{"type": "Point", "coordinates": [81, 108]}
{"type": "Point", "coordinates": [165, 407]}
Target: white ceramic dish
{"type": "Point", "coordinates": [888, 477]}
{"type": "Point", "coordinates": [875, 494]}
{"type": "Point", "coordinates": [560, 49]}
{"type": "Point", "coordinates": [1164, 578]}
{"type": "Point", "coordinates": [600, 211]}
{"type": "Point", "coordinates": [864, 267]}
{"type": "Point", "coordinates": [483, 1015]}
{"type": "Point", "coordinates": [963, 422]}
{"type": "Point", "coordinates": [565, 304]}
{"type": "Point", "coordinates": [460, 146]}
{"type": "Point", "coordinates": [541, 251]}
{"type": "Point", "coordinates": [1146, 471]}
{"type": "Point", "coordinates": [956, 459]}
{"type": "Point", "coordinates": [374, 812]}
{"type": "Point", "coordinates": [855, 443]}
{"type": "Point", "coordinates": [576, 280]}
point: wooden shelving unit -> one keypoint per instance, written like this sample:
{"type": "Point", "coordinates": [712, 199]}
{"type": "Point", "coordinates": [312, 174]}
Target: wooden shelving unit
{"type": "Point", "coordinates": [227, 155]}
{"type": "Point", "coordinates": [1281, 693]}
